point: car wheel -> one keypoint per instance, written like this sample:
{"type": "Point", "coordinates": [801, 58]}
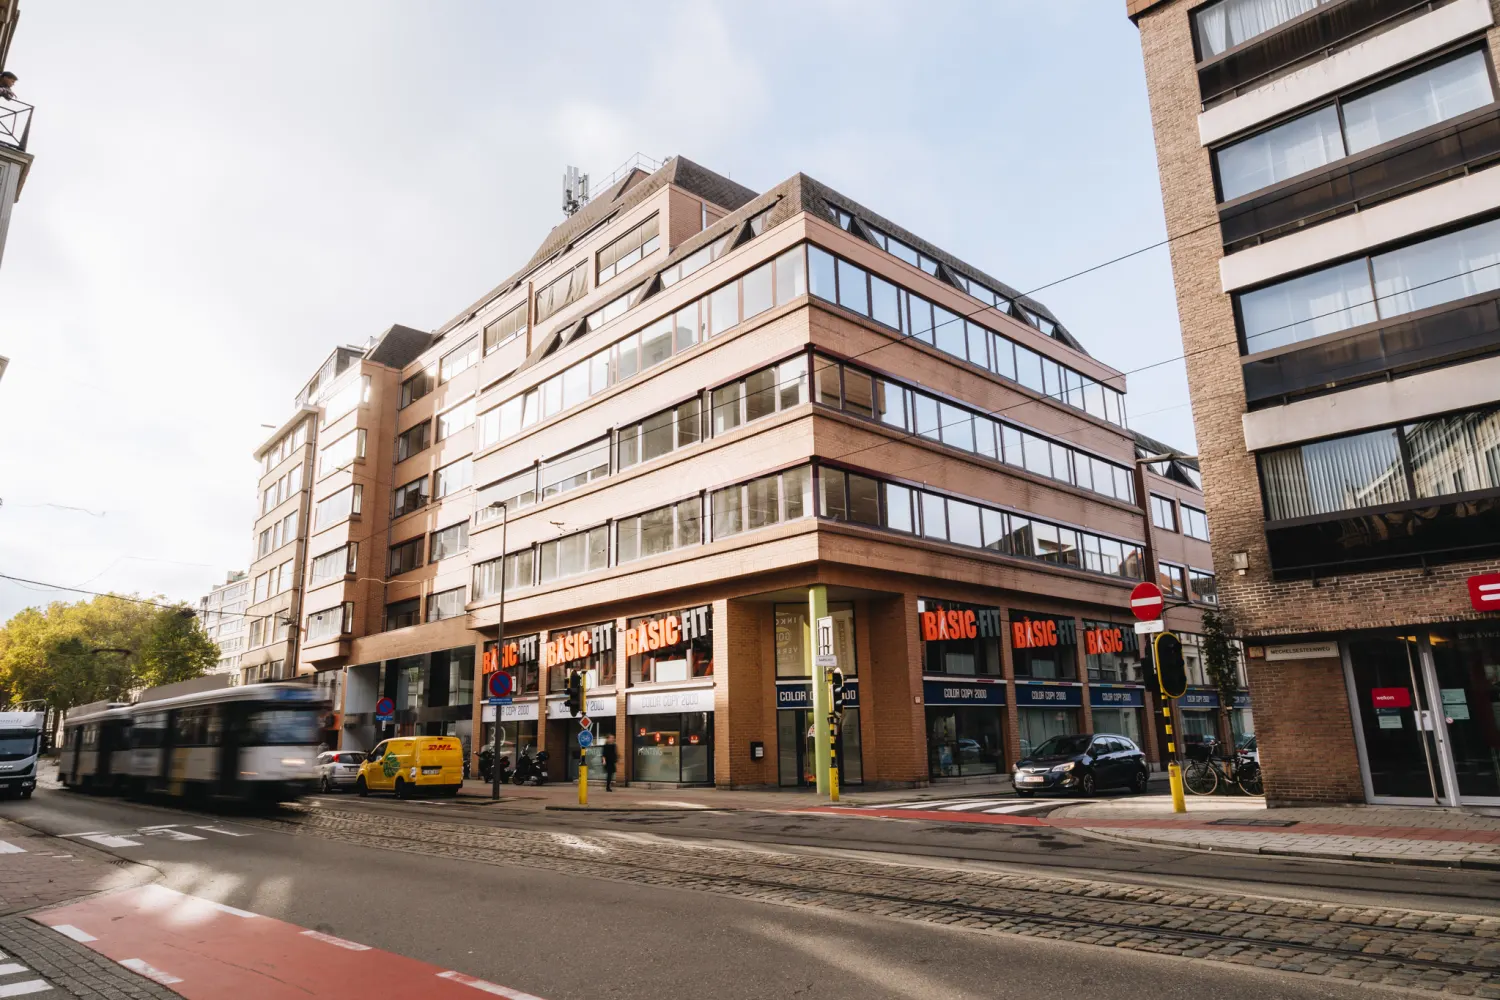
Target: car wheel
{"type": "Point", "coordinates": [1086, 784]}
{"type": "Point", "coordinates": [1139, 782]}
{"type": "Point", "coordinates": [401, 791]}
{"type": "Point", "coordinates": [362, 788]}
{"type": "Point", "coordinates": [1024, 793]}
{"type": "Point", "coordinates": [326, 787]}
{"type": "Point", "coordinates": [26, 793]}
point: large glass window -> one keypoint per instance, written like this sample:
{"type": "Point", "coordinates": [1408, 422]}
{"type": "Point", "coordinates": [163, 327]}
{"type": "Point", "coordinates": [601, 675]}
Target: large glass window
{"type": "Point", "coordinates": [445, 604]}
{"type": "Point", "coordinates": [760, 394]}
{"type": "Point", "coordinates": [333, 509]}
{"type": "Point", "coordinates": [673, 748]}
{"type": "Point", "coordinates": [1112, 653]}
{"type": "Point", "coordinates": [575, 468]}
{"type": "Point", "coordinates": [674, 646]}
{"type": "Point", "coordinates": [405, 556]}
{"type": "Point", "coordinates": [412, 440]}
{"type": "Point", "coordinates": [1223, 25]}
{"type": "Point", "coordinates": [456, 419]}
{"type": "Point", "coordinates": [580, 552]}
{"type": "Point", "coordinates": [331, 622]}
{"type": "Point", "coordinates": [450, 541]}
{"type": "Point", "coordinates": [783, 496]}
{"type": "Point", "coordinates": [460, 359]}
{"type": "Point", "coordinates": [642, 241]}
{"type": "Point", "coordinates": [562, 291]}
{"type": "Point", "coordinates": [657, 531]}
{"type": "Point", "coordinates": [964, 741]}
{"type": "Point", "coordinates": [1287, 150]}
{"type": "Point", "coordinates": [1194, 522]}
{"type": "Point", "coordinates": [1414, 102]}
{"type": "Point", "coordinates": [505, 329]}
{"type": "Point", "coordinates": [403, 614]}
{"type": "Point", "coordinates": [332, 565]}
{"type": "Point", "coordinates": [452, 478]}
{"type": "Point", "coordinates": [961, 640]}
{"type": "Point", "coordinates": [518, 567]}
{"type": "Point", "coordinates": [1043, 647]}
{"type": "Point", "coordinates": [660, 433]}
{"type": "Point", "coordinates": [340, 454]}
{"type": "Point", "coordinates": [1323, 302]}
{"type": "Point", "coordinates": [515, 492]}
{"type": "Point", "coordinates": [1362, 470]}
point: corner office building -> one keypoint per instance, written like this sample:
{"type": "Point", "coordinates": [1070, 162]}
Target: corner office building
{"type": "Point", "coordinates": [692, 405]}
{"type": "Point", "coordinates": [1328, 172]}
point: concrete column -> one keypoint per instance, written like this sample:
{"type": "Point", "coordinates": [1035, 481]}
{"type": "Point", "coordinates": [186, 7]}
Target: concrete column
{"type": "Point", "coordinates": [1081, 655]}
{"type": "Point", "coordinates": [1012, 712]}
{"type": "Point", "coordinates": [480, 694]}
{"type": "Point", "coordinates": [896, 733]}
{"type": "Point", "coordinates": [624, 738]}
{"type": "Point", "coordinates": [743, 711]}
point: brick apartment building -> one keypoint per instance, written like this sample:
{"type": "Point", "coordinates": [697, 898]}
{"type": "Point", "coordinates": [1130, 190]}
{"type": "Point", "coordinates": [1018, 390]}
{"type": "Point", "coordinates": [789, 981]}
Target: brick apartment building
{"type": "Point", "coordinates": [691, 406]}
{"type": "Point", "coordinates": [1327, 173]}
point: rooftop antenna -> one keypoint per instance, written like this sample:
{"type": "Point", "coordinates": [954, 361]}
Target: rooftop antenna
{"type": "Point", "coordinates": [575, 190]}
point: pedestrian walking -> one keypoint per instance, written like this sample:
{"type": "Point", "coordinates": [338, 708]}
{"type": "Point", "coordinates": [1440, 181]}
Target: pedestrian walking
{"type": "Point", "coordinates": [611, 756]}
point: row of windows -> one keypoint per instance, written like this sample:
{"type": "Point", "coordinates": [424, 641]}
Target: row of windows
{"type": "Point", "coordinates": [273, 629]}
{"type": "Point", "coordinates": [354, 393]}
{"type": "Point", "coordinates": [450, 541]}
{"type": "Point", "coordinates": [508, 327]}
{"type": "Point", "coordinates": [282, 449]}
{"type": "Point", "coordinates": [865, 394]}
{"type": "Point", "coordinates": [334, 564]}
{"type": "Point", "coordinates": [330, 622]}
{"type": "Point", "coordinates": [444, 604]}
{"type": "Point", "coordinates": [342, 453]}
{"type": "Point", "coordinates": [283, 532]}
{"type": "Point", "coordinates": [277, 580]}
{"type": "Point", "coordinates": [336, 507]}
{"type": "Point", "coordinates": [415, 439]}
{"type": "Point", "coordinates": [562, 291]}
{"type": "Point", "coordinates": [629, 249]}
{"type": "Point", "coordinates": [788, 496]}
{"type": "Point", "coordinates": [1194, 523]}
{"type": "Point", "coordinates": [837, 280]}
{"type": "Point", "coordinates": [1187, 584]}
{"type": "Point", "coordinates": [282, 489]}
{"type": "Point", "coordinates": [436, 373]}
{"type": "Point", "coordinates": [444, 482]}
{"type": "Point", "coordinates": [1353, 124]}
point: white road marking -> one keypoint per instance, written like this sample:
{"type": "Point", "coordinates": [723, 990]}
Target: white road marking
{"type": "Point", "coordinates": [971, 804]}
{"type": "Point", "coordinates": [11, 968]}
{"type": "Point", "coordinates": [336, 941]}
{"type": "Point", "coordinates": [173, 897]}
{"type": "Point", "coordinates": [106, 839]}
{"type": "Point", "coordinates": [578, 843]}
{"type": "Point", "coordinates": [8, 848]}
{"type": "Point", "coordinates": [170, 834]}
{"type": "Point", "coordinates": [491, 988]}
{"type": "Point", "coordinates": [139, 966]}
{"type": "Point", "coordinates": [226, 833]}
{"type": "Point", "coordinates": [23, 989]}
{"type": "Point", "coordinates": [68, 930]}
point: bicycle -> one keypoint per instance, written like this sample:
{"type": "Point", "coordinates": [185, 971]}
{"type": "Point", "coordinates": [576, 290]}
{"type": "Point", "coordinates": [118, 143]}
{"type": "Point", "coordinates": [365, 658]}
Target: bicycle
{"type": "Point", "coordinates": [1203, 776]}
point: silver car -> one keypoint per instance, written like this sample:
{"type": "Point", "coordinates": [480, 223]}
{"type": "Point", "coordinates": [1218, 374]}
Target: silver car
{"type": "Point", "coordinates": [339, 768]}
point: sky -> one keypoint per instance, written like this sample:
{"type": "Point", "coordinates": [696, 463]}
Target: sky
{"type": "Point", "coordinates": [223, 193]}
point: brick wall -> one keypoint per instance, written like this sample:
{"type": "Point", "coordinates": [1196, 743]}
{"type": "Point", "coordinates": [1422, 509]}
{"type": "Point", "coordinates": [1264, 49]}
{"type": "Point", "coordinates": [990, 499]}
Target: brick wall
{"type": "Point", "coordinates": [1306, 736]}
{"type": "Point", "coordinates": [895, 739]}
{"type": "Point", "coordinates": [744, 694]}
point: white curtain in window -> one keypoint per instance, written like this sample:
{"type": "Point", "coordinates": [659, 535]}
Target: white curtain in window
{"type": "Point", "coordinates": [1326, 301]}
{"type": "Point", "coordinates": [1363, 470]}
{"type": "Point", "coordinates": [1439, 270]}
{"type": "Point", "coordinates": [1227, 24]}
{"type": "Point", "coordinates": [1442, 92]}
{"type": "Point", "coordinates": [1300, 145]}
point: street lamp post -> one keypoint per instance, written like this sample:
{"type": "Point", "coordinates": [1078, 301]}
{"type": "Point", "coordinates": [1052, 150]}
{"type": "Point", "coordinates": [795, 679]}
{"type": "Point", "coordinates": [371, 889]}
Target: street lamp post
{"type": "Point", "coordinates": [499, 650]}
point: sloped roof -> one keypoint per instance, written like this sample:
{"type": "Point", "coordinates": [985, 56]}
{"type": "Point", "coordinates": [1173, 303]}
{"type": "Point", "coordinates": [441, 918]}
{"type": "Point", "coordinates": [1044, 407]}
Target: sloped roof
{"type": "Point", "coordinates": [399, 346]}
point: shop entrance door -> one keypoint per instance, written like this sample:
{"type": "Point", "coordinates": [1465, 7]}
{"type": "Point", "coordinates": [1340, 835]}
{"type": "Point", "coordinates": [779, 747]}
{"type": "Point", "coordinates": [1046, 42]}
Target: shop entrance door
{"type": "Point", "coordinates": [795, 757]}
{"type": "Point", "coordinates": [1427, 712]}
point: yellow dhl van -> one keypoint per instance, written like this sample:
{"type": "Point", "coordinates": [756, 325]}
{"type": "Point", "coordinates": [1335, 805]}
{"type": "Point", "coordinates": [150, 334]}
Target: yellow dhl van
{"type": "Point", "coordinates": [413, 765]}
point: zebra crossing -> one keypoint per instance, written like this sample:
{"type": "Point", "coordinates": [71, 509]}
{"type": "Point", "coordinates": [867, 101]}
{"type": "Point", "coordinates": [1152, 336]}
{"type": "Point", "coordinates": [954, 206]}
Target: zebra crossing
{"type": "Point", "coordinates": [181, 833]}
{"type": "Point", "coordinates": [989, 806]}
{"type": "Point", "coordinates": [16, 980]}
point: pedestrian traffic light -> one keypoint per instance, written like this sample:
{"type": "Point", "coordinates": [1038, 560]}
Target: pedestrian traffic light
{"type": "Point", "coordinates": [1171, 671]}
{"type": "Point", "coordinates": [837, 677]}
{"type": "Point", "coordinates": [575, 693]}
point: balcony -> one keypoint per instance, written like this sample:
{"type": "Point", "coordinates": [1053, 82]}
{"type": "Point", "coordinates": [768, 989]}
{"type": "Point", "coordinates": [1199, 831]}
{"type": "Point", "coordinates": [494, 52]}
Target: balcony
{"type": "Point", "coordinates": [1396, 168]}
{"type": "Point", "coordinates": [1414, 533]}
{"type": "Point", "coordinates": [15, 124]}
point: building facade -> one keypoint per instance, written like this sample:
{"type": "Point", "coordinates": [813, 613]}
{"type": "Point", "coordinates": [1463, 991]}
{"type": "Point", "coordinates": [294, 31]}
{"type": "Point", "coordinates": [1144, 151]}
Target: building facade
{"type": "Point", "coordinates": [222, 612]}
{"type": "Point", "coordinates": [15, 129]}
{"type": "Point", "coordinates": [696, 417]}
{"type": "Point", "coordinates": [1335, 225]}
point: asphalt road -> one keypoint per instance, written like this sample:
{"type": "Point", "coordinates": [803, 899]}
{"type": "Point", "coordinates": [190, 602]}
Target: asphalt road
{"type": "Point", "coordinates": [560, 936]}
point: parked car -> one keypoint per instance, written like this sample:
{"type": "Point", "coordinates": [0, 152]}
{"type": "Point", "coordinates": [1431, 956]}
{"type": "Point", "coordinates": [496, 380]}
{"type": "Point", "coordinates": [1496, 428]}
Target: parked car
{"type": "Point", "coordinates": [1084, 764]}
{"type": "Point", "coordinates": [413, 765]}
{"type": "Point", "coordinates": [338, 768]}
{"type": "Point", "coordinates": [1250, 748]}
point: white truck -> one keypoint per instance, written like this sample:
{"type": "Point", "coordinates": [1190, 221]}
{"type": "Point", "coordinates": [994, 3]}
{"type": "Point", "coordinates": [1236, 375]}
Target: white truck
{"type": "Point", "coordinates": [20, 743]}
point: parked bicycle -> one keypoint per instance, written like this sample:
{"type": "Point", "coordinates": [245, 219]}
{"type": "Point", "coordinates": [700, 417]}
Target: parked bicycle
{"type": "Point", "coordinates": [1204, 775]}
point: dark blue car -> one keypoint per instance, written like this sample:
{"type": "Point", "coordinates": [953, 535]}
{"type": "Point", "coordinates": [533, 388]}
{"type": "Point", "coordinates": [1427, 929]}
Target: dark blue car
{"type": "Point", "coordinates": [1084, 764]}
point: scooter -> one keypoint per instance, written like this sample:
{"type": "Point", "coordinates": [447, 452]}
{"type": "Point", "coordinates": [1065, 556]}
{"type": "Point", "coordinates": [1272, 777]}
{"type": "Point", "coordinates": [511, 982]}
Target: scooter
{"type": "Point", "coordinates": [531, 768]}
{"type": "Point", "coordinates": [487, 765]}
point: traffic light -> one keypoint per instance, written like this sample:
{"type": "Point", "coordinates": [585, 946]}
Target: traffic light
{"type": "Point", "coordinates": [1171, 671]}
{"type": "Point", "coordinates": [837, 678]}
{"type": "Point", "coordinates": [575, 693]}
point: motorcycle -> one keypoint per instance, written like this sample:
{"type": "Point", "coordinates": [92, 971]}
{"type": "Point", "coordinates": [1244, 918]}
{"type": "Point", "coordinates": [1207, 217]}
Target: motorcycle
{"type": "Point", "coordinates": [531, 768]}
{"type": "Point", "coordinates": [487, 765]}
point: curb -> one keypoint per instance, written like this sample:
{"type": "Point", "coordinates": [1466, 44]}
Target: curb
{"type": "Point", "coordinates": [1471, 864]}
{"type": "Point", "coordinates": [645, 809]}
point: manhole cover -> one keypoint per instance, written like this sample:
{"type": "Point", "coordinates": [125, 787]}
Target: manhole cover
{"type": "Point", "coordinates": [1253, 822]}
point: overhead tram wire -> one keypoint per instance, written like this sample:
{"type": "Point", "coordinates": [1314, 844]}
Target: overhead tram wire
{"type": "Point", "coordinates": [23, 581]}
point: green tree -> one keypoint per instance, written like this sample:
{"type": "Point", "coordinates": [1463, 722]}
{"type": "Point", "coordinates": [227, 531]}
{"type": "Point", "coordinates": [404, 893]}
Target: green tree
{"type": "Point", "coordinates": [177, 649]}
{"type": "Point", "coordinates": [1221, 657]}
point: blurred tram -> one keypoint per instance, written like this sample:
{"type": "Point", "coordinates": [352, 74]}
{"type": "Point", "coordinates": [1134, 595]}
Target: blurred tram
{"type": "Point", "coordinates": [257, 742]}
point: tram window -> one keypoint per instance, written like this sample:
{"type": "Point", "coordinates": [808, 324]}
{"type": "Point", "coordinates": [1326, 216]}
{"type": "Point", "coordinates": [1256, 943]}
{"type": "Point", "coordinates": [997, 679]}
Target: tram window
{"type": "Point", "coordinates": [147, 731]}
{"type": "Point", "coordinates": [282, 726]}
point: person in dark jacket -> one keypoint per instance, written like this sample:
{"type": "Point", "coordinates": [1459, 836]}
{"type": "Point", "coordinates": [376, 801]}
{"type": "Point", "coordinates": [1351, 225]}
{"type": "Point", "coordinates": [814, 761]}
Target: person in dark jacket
{"type": "Point", "coordinates": [611, 755]}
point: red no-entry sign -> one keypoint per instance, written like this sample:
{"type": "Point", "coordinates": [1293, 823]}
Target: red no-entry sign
{"type": "Point", "coordinates": [1145, 601]}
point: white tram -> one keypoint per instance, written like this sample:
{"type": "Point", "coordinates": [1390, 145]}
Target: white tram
{"type": "Point", "coordinates": [256, 742]}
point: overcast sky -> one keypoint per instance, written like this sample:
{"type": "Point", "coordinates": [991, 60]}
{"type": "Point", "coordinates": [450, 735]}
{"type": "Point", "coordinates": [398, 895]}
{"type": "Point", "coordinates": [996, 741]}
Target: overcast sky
{"type": "Point", "coordinates": [222, 193]}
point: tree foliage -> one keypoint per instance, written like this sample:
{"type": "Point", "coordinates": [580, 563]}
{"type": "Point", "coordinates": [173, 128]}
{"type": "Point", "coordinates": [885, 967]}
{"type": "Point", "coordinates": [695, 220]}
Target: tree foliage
{"type": "Point", "coordinates": [70, 654]}
{"type": "Point", "coordinates": [1221, 656]}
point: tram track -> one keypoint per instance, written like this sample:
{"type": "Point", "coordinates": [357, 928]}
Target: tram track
{"type": "Point", "coordinates": [1422, 949]}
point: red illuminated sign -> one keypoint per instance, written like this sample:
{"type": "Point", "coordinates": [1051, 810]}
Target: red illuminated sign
{"type": "Point", "coordinates": [1391, 697]}
{"type": "Point", "coordinates": [1104, 640]}
{"type": "Point", "coordinates": [960, 622]}
{"type": "Point", "coordinates": [667, 630]}
{"type": "Point", "coordinates": [1033, 633]}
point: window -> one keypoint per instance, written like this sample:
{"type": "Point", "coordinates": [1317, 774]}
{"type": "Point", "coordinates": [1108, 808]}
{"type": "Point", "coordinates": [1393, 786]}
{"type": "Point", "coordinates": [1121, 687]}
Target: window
{"type": "Point", "coordinates": [1172, 580]}
{"type": "Point", "coordinates": [1203, 586]}
{"type": "Point", "coordinates": [1194, 522]}
{"type": "Point", "coordinates": [661, 433]}
{"type": "Point", "coordinates": [760, 394]}
{"type": "Point", "coordinates": [1163, 513]}
{"type": "Point", "coordinates": [451, 478]}
{"type": "Point", "coordinates": [264, 545]}
{"type": "Point", "coordinates": [330, 623]}
{"type": "Point", "coordinates": [1223, 25]}
{"type": "Point", "coordinates": [697, 260]}
{"type": "Point", "coordinates": [460, 359]}
{"type": "Point", "coordinates": [406, 556]}
{"type": "Point", "coordinates": [411, 441]}
{"type": "Point", "coordinates": [575, 468]}
{"type": "Point", "coordinates": [515, 492]}
{"type": "Point", "coordinates": [610, 311]}
{"type": "Point", "coordinates": [1433, 94]}
{"type": "Point", "coordinates": [562, 291]}
{"type": "Point", "coordinates": [403, 614]}
{"type": "Point", "coordinates": [285, 576]}
{"type": "Point", "coordinates": [671, 527]}
{"type": "Point", "coordinates": [767, 500]}
{"type": "Point", "coordinates": [417, 386]}
{"type": "Point", "coordinates": [333, 509]}
{"type": "Point", "coordinates": [639, 243]}
{"type": "Point", "coordinates": [580, 552]}
{"type": "Point", "coordinates": [334, 564]}
{"type": "Point", "coordinates": [449, 542]}
{"type": "Point", "coordinates": [355, 392]}
{"type": "Point", "coordinates": [456, 419]}
{"type": "Point", "coordinates": [342, 453]}
{"type": "Point", "coordinates": [518, 573]}
{"type": "Point", "coordinates": [505, 329]}
{"type": "Point", "coordinates": [445, 604]}
{"type": "Point", "coordinates": [412, 496]}
{"type": "Point", "coordinates": [262, 587]}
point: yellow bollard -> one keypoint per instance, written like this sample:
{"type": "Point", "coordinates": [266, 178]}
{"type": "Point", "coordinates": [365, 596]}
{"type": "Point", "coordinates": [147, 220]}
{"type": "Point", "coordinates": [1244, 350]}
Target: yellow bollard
{"type": "Point", "coordinates": [583, 778]}
{"type": "Point", "coordinates": [1174, 776]}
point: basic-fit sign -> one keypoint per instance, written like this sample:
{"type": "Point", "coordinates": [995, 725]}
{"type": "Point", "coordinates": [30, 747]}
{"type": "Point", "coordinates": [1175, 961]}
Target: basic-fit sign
{"type": "Point", "coordinates": [580, 644]}
{"type": "Point", "coordinates": [959, 622]}
{"type": "Point", "coordinates": [667, 630]}
{"type": "Point", "coordinates": [1040, 633]}
{"type": "Point", "coordinates": [513, 653]}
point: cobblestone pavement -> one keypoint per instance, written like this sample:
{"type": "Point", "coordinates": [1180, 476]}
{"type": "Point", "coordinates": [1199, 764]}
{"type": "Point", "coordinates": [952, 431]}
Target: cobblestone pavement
{"type": "Point", "coordinates": [1458, 954]}
{"type": "Point", "coordinates": [66, 967]}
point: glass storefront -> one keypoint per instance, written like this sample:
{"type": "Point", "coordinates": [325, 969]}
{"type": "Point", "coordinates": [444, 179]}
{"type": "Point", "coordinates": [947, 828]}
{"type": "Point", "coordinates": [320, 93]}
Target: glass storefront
{"type": "Point", "coordinates": [965, 727]}
{"type": "Point", "coordinates": [677, 748]}
{"type": "Point", "coordinates": [670, 646]}
{"type": "Point", "coordinates": [1043, 647]}
{"type": "Point", "coordinates": [515, 735]}
{"type": "Point", "coordinates": [795, 756]}
{"type": "Point", "coordinates": [520, 658]}
{"type": "Point", "coordinates": [1112, 653]}
{"type": "Point", "coordinates": [1119, 711]}
{"type": "Point", "coordinates": [1047, 710]}
{"type": "Point", "coordinates": [1467, 670]}
{"type": "Point", "coordinates": [959, 640]}
{"type": "Point", "coordinates": [792, 635]}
